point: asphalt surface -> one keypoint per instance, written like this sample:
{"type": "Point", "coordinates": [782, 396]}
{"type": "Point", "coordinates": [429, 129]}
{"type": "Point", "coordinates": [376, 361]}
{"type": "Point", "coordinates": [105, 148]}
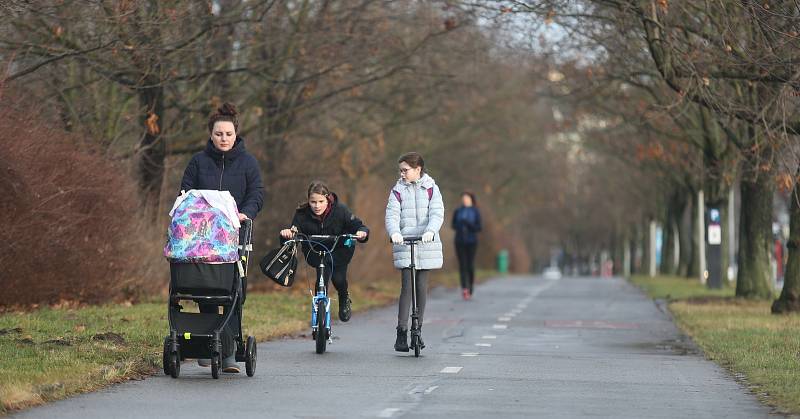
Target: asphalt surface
{"type": "Point", "coordinates": [523, 347]}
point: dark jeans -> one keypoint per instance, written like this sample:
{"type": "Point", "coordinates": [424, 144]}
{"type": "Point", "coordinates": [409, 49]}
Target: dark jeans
{"type": "Point", "coordinates": [339, 279]}
{"type": "Point", "coordinates": [466, 264]}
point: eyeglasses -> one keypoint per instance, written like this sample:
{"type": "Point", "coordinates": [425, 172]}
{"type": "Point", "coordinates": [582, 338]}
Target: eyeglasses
{"type": "Point", "coordinates": [404, 171]}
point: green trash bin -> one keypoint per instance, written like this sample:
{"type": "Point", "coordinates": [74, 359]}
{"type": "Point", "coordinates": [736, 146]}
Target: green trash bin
{"type": "Point", "coordinates": [502, 261]}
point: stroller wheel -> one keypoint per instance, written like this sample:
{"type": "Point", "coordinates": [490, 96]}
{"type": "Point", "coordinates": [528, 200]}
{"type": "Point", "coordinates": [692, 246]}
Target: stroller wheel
{"type": "Point", "coordinates": [215, 366]}
{"type": "Point", "coordinates": [165, 357]}
{"type": "Point", "coordinates": [250, 362]}
{"type": "Point", "coordinates": [174, 364]}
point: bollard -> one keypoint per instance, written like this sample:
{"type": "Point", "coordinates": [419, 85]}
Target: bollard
{"type": "Point", "coordinates": [502, 261]}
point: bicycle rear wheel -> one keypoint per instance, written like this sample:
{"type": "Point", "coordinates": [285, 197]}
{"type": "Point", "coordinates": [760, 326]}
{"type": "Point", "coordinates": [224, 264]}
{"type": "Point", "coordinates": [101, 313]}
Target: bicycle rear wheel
{"type": "Point", "coordinates": [322, 327]}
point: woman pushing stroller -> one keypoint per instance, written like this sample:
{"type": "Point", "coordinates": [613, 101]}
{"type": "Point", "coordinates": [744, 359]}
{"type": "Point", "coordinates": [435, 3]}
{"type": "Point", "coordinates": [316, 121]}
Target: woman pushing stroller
{"type": "Point", "coordinates": [323, 214]}
{"type": "Point", "coordinates": [225, 165]}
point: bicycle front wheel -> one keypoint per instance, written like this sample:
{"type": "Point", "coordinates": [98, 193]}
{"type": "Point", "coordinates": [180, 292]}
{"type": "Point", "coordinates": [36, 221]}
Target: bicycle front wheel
{"type": "Point", "coordinates": [322, 327]}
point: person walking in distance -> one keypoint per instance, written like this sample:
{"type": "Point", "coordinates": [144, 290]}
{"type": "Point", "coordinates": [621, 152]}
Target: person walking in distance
{"type": "Point", "coordinates": [415, 208]}
{"type": "Point", "coordinates": [467, 224]}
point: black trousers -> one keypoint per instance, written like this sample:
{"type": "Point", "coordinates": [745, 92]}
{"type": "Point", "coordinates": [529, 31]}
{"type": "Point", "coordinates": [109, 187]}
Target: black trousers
{"type": "Point", "coordinates": [226, 337]}
{"type": "Point", "coordinates": [338, 276]}
{"type": "Point", "coordinates": [466, 264]}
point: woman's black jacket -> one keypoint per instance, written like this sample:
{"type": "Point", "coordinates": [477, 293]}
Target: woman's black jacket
{"type": "Point", "coordinates": [235, 171]}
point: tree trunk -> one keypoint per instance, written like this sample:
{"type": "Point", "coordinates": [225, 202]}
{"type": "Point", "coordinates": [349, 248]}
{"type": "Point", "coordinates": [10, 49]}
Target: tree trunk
{"type": "Point", "coordinates": [725, 259]}
{"type": "Point", "coordinates": [685, 237]}
{"type": "Point", "coordinates": [152, 149]}
{"type": "Point", "coordinates": [755, 238]}
{"type": "Point", "coordinates": [694, 266]}
{"type": "Point", "coordinates": [789, 299]}
{"type": "Point", "coordinates": [674, 210]}
{"type": "Point", "coordinates": [618, 244]}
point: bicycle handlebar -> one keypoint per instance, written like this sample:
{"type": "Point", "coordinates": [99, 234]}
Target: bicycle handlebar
{"type": "Point", "coordinates": [332, 236]}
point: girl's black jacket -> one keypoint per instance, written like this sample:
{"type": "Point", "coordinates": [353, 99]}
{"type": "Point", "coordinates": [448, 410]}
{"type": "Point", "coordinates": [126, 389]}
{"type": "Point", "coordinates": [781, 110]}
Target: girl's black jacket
{"type": "Point", "coordinates": [339, 221]}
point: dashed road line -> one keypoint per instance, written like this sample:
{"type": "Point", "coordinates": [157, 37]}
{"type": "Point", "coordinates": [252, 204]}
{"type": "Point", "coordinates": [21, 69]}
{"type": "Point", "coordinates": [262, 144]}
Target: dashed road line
{"type": "Point", "coordinates": [451, 370]}
{"type": "Point", "coordinates": [489, 337]}
{"type": "Point", "coordinates": [388, 412]}
{"type": "Point", "coordinates": [469, 354]}
{"type": "Point", "coordinates": [485, 345]}
{"type": "Point", "coordinates": [504, 319]}
{"type": "Point", "coordinates": [500, 326]}
{"type": "Point", "coordinates": [430, 389]}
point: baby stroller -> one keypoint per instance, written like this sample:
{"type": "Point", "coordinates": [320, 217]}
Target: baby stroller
{"type": "Point", "coordinates": [215, 284]}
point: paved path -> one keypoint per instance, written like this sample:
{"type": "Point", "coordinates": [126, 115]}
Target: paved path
{"type": "Point", "coordinates": [523, 347]}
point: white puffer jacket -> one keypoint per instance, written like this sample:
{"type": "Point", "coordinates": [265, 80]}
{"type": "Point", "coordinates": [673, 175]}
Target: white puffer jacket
{"type": "Point", "coordinates": [411, 211]}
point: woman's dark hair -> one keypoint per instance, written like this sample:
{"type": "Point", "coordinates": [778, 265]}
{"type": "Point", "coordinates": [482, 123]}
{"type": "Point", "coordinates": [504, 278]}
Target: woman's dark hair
{"type": "Point", "coordinates": [472, 196]}
{"type": "Point", "coordinates": [413, 159]}
{"type": "Point", "coordinates": [317, 187]}
{"type": "Point", "coordinates": [227, 112]}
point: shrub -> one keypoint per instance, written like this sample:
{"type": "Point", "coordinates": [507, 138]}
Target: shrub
{"type": "Point", "coordinates": [67, 213]}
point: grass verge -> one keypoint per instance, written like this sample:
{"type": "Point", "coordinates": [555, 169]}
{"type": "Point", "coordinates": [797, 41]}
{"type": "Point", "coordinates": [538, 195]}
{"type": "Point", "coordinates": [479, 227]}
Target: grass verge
{"type": "Point", "coordinates": [741, 335]}
{"type": "Point", "coordinates": [54, 352]}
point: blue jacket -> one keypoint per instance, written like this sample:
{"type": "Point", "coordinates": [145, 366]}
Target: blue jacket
{"type": "Point", "coordinates": [467, 223]}
{"type": "Point", "coordinates": [235, 171]}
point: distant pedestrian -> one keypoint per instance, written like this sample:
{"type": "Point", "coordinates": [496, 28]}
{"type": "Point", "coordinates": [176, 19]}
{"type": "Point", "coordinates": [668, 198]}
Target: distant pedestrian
{"type": "Point", "coordinates": [415, 208]}
{"type": "Point", "coordinates": [467, 224]}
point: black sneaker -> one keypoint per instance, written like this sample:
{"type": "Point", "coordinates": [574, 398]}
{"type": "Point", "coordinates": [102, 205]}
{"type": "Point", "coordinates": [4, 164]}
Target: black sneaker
{"type": "Point", "coordinates": [401, 344]}
{"type": "Point", "coordinates": [344, 308]}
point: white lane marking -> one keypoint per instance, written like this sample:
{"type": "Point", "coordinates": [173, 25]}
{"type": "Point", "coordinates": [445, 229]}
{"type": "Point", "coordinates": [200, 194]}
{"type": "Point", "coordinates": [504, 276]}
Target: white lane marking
{"type": "Point", "coordinates": [504, 319]}
{"type": "Point", "coordinates": [516, 311]}
{"type": "Point", "coordinates": [415, 390]}
{"type": "Point", "coordinates": [451, 370]}
{"type": "Point", "coordinates": [430, 389]}
{"type": "Point", "coordinates": [500, 326]}
{"type": "Point", "coordinates": [510, 314]}
{"type": "Point", "coordinates": [522, 306]}
{"type": "Point", "coordinates": [489, 337]}
{"type": "Point", "coordinates": [485, 345]}
{"type": "Point", "coordinates": [469, 354]}
{"type": "Point", "coordinates": [388, 412]}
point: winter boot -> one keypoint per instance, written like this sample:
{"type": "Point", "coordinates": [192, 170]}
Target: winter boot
{"type": "Point", "coordinates": [344, 307]}
{"type": "Point", "coordinates": [401, 344]}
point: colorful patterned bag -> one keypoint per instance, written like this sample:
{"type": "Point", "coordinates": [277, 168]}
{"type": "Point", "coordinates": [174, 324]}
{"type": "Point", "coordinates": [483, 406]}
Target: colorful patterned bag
{"type": "Point", "coordinates": [200, 232]}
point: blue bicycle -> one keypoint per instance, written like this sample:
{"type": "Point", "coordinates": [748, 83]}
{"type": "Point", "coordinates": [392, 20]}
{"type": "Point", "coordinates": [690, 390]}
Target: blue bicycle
{"type": "Point", "coordinates": [320, 303]}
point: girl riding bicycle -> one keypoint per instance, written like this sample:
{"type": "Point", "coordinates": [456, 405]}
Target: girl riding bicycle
{"type": "Point", "coordinates": [323, 214]}
{"type": "Point", "coordinates": [415, 208]}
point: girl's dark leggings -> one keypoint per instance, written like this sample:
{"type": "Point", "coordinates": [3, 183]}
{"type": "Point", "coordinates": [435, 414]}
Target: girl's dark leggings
{"type": "Point", "coordinates": [339, 279]}
{"type": "Point", "coordinates": [466, 264]}
{"type": "Point", "coordinates": [405, 296]}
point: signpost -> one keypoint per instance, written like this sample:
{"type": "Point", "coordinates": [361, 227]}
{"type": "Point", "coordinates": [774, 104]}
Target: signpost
{"type": "Point", "coordinates": [714, 249]}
